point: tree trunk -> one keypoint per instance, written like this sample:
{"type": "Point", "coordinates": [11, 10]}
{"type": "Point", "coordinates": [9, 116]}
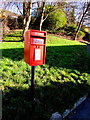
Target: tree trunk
{"type": "Point", "coordinates": [27, 7]}
{"type": "Point", "coordinates": [29, 16]}
{"type": "Point", "coordinates": [80, 23]}
{"type": "Point", "coordinates": [42, 15]}
{"type": "Point", "coordinates": [24, 15]}
{"type": "Point", "coordinates": [1, 30]}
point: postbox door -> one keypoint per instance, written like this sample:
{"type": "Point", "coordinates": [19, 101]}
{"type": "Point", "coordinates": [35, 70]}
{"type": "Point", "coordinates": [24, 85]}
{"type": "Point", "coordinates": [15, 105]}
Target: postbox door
{"type": "Point", "coordinates": [37, 55]}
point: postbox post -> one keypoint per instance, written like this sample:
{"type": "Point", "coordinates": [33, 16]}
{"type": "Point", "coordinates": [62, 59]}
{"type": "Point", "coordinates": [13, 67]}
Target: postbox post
{"type": "Point", "coordinates": [32, 83]}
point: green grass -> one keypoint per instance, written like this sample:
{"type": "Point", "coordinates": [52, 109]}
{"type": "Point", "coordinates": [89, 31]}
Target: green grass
{"type": "Point", "coordinates": [58, 84]}
{"type": "Point", "coordinates": [13, 36]}
{"type": "Point", "coordinates": [56, 40]}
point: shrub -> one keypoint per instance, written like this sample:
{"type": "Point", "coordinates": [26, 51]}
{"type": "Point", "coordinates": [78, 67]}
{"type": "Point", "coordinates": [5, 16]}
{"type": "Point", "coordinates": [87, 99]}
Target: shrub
{"type": "Point", "coordinates": [81, 34]}
{"type": "Point", "coordinates": [20, 22]}
{"type": "Point", "coordinates": [55, 20]}
{"type": "Point", "coordinates": [70, 30]}
{"type": "Point", "coordinates": [87, 37]}
{"type": "Point", "coordinates": [12, 23]}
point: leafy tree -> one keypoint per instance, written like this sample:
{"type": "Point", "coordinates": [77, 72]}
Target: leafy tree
{"type": "Point", "coordinates": [55, 20]}
{"type": "Point", "coordinates": [42, 13]}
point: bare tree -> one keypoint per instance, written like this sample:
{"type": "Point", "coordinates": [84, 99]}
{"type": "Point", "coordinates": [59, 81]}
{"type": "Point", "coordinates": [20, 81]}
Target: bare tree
{"type": "Point", "coordinates": [85, 10]}
{"type": "Point", "coordinates": [42, 14]}
{"type": "Point", "coordinates": [45, 14]}
{"type": "Point", "coordinates": [4, 28]}
{"type": "Point", "coordinates": [18, 7]}
{"type": "Point", "coordinates": [27, 8]}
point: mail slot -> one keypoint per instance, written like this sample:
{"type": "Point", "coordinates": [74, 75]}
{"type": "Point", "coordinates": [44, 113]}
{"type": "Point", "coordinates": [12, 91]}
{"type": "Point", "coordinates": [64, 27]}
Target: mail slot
{"type": "Point", "coordinates": [38, 41]}
{"type": "Point", "coordinates": [35, 47]}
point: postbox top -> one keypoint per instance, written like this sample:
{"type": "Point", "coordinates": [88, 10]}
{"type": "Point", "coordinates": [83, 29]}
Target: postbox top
{"type": "Point", "coordinates": [38, 33]}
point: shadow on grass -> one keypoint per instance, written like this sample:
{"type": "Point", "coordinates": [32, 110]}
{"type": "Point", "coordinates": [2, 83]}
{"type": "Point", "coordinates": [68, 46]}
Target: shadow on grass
{"type": "Point", "coordinates": [13, 38]}
{"type": "Point", "coordinates": [21, 40]}
{"type": "Point", "coordinates": [49, 99]}
{"type": "Point", "coordinates": [70, 57]}
{"type": "Point", "coordinates": [87, 37]}
{"type": "Point", "coordinates": [14, 54]}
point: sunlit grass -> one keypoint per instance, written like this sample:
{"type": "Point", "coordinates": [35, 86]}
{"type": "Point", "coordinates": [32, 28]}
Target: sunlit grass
{"type": "Point", "coordinates": [58, 84]}
{"type": "Point", "coordinates": [13, 36]}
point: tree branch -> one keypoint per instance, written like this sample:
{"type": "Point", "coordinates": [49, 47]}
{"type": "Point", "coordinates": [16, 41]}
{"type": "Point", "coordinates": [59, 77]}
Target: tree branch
{"type": "Point", "coordinates": [80, 23]}
{"type": "Point", "coordinates": [18, 8]}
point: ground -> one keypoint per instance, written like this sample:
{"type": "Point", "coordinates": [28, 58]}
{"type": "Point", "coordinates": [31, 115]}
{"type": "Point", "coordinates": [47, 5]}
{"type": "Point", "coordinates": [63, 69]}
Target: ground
{"type": "Point", "coordinates": [64, 78]}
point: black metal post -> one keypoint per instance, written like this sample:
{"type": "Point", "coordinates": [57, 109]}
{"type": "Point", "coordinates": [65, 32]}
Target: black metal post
{"type": "Point", "coordinates": [33, 90]}
{"type": "Point", "coordinates": [33, 83]}
{"type": "Point", "coordinates": [88, 48]}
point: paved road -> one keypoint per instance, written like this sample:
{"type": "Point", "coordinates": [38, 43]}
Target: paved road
{"type": "Point", "coordinates": [82, 112]}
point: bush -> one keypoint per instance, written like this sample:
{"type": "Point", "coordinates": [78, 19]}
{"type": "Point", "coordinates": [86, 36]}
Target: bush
{"type": "Point", "coordinates": [81, 34]}
{"type": "Point", "coordinates": [55, 20]}
{"type": "Point", "coordinates": [20, 22]}
{"type": "Point", "coordinates": [12, 23]}
{"type": "Point", "coordinates": [70, 30]}
{"type": "Point", "coordinates": [87, 37]}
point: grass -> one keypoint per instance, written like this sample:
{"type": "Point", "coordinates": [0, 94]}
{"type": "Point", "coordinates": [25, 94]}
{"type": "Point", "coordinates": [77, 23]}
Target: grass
{"type": "Point", "coordinates": [13, 36]}
{"type": "Point", "coordinates": [58, 84]}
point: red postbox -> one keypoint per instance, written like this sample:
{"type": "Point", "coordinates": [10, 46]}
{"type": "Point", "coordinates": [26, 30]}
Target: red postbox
{"type": "Point", "coordinates": [35, 47]}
